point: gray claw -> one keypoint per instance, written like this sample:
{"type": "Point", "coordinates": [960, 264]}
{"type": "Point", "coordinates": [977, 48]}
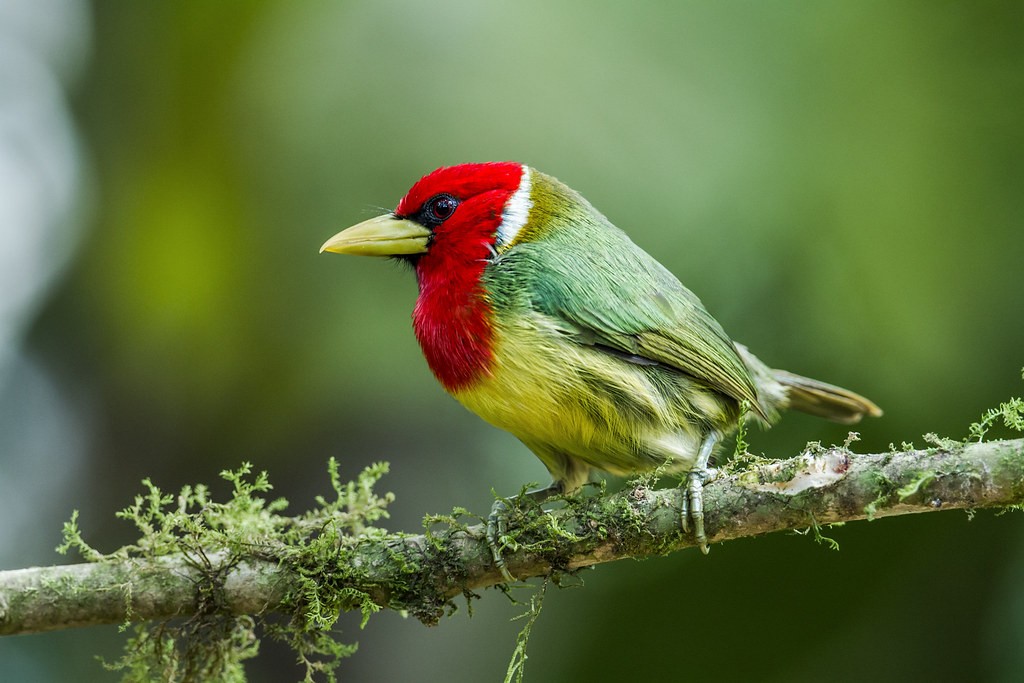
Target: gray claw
{"type": "Point", "coordinates": [497, 526]}
{"type": "Point", "coordinates": [693, 500]}
{"type": "Point", "coordinates": [695, 494]}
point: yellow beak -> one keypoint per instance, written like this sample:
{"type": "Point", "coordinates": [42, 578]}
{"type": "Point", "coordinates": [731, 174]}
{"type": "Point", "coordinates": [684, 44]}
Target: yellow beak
{"type": "Point", "coordinates": [385, 235]}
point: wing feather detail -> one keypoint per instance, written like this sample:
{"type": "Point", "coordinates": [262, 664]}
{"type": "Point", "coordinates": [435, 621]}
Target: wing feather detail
{"type": "Point", "coordinates": [602, 290]}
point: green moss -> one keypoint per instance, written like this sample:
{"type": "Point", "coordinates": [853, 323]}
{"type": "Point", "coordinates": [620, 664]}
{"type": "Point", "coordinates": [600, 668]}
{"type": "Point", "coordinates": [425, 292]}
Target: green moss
{"type": "Point", "coordinates": [212, 648]}
{"type": "Point", "coordinates": [814, 530]}
{"type": "Point", "coordinates": [741, 449]}
{"type": "Point", "coordinates": [213, 537]}
{"type": "Point", "coordinates": [886, 487]}
{"type": "Point", "coordinates": [915, 486]}
{"type": "Point", "coordinates": [73, 540]}
{"type": "Point", "coordinates": [1012, 467]}
{"type": "Point", "coordinates": [1010, 413]}
{"type": "Point", "coordinates": [517, 664]}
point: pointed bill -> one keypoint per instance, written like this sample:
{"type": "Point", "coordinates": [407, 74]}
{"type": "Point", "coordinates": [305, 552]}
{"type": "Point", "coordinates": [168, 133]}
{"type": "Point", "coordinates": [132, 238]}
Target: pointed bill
{"type": "Point", "coordinates": [385, 235]}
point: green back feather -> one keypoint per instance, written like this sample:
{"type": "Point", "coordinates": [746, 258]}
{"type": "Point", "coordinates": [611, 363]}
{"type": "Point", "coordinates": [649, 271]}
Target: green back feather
{"type": "Point", "coordinates": [604, 290]}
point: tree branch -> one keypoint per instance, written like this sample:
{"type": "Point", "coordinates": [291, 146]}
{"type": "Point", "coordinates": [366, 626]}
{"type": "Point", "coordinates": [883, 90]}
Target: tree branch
{"type": "Point", "coordinates": [422, 573]}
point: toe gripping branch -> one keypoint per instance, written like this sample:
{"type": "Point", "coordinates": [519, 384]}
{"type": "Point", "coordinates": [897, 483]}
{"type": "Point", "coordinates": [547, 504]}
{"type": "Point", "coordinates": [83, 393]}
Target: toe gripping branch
{"type": "Point", "coordinates": [693, 498]}
{"type": "Point", "coordinates": [497, 527]}
{"type": "Point", "coordinates": [693, 506]}
{"type": "Point", "coordinates": [497, 523]}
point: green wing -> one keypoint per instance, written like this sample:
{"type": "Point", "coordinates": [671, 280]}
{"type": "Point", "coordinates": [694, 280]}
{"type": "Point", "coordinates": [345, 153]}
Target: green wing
{"type": "Point", "coordinates": [608, 292]}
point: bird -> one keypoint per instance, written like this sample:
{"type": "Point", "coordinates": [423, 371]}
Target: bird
{"type": "Point", "coordinates": [539, 315]}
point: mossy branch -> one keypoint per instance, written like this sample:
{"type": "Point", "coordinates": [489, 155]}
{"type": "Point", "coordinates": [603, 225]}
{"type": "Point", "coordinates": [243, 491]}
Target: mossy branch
{"type": "Point", "coordinates": [314, 566]}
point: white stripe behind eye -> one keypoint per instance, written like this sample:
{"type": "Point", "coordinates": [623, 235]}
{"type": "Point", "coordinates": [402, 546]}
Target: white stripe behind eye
{"type": "Point", "coordinates": [516, 212]}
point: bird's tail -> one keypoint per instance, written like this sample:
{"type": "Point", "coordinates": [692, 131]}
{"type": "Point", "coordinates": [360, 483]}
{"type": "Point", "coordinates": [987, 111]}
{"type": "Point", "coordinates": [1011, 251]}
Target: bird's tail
{"type": "Point", "coordinates": [779, 389]}
{"type": "Point", "coordinates": [825, 400]}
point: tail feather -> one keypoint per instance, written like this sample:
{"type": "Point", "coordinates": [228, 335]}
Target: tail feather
{"type": "Point", "coordinates": [825, 400]}
{"type": "Point", "coordinates": [778, 389]}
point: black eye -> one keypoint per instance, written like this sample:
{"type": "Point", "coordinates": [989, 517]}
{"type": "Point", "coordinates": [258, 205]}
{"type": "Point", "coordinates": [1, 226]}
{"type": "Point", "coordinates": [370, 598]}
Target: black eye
{"type": "Point", "coordinates": [438, 209]}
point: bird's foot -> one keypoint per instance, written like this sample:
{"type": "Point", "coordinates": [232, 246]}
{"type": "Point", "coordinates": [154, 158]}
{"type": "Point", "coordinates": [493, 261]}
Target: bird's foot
{"type": "Point", "coordinates": [497, 522]}
{"type": "Point", "coordinates": [693, 505]}
{"type": "Point", "coordinates": [497, 528]}
{"type": "Point", "coordinates": [693, 499]}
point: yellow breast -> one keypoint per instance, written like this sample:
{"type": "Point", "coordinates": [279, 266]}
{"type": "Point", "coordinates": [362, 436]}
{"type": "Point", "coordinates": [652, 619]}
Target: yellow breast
{"type": "Point", "coordinates": [564, 399]}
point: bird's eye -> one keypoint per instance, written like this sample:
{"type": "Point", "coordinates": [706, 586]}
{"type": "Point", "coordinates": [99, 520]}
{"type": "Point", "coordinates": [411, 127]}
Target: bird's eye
{"type": "Point", "coordinates": [438, 209]}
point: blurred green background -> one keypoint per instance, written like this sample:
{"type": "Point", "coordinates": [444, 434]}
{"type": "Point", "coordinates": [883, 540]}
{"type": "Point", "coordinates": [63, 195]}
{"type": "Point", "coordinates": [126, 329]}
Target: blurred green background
{"type": "Point", "coordinates": [841, 183]}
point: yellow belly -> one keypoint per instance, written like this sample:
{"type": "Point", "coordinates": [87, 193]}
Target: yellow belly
{"type": "Point", "coordinates": [569, 401]}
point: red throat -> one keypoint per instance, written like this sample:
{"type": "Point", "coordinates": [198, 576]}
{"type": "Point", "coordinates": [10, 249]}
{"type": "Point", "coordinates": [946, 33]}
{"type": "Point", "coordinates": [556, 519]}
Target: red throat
{"type": "Point", "coordinates": [453, 315]}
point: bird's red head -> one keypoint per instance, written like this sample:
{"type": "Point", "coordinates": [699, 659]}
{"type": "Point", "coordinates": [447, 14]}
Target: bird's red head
{"type": "Point", "coordinates": [449, 226]}
{"type": "Point", "coordinates": [469, 209]}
